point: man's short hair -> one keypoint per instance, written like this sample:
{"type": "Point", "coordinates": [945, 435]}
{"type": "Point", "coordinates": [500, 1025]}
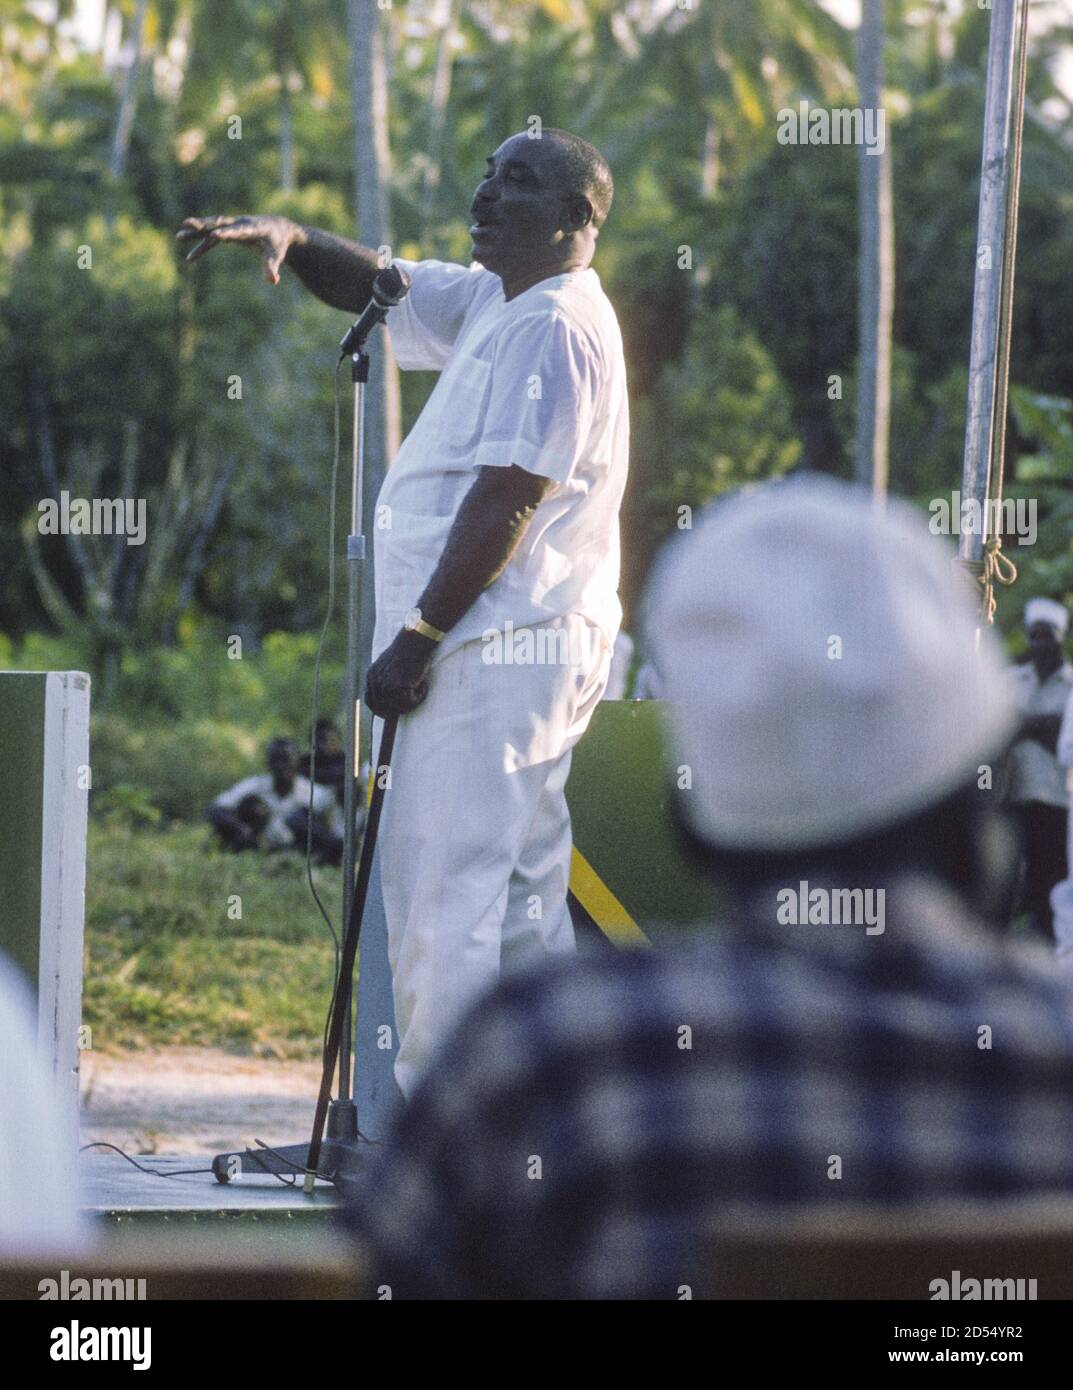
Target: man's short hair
{"type": "Point", "coordinates": [282, 745]}
{"type": "Point", "coordinates": [585, 171]}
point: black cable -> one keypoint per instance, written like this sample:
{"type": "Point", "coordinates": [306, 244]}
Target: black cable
{"type": "Point", "coordinates": [285, 1178]}
{"type": "Point", "coordinates": [153, 1172]}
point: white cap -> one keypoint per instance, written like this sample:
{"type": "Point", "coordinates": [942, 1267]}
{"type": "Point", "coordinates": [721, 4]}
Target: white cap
{"type": "Point", "coordinates": [820, 666]}
{"type": "Point", "coordinates": [1045, 610]}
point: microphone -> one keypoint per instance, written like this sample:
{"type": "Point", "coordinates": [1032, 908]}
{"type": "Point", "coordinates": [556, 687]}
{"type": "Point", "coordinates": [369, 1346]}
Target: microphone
{"type": "Point", "coordinates": [390, 287]}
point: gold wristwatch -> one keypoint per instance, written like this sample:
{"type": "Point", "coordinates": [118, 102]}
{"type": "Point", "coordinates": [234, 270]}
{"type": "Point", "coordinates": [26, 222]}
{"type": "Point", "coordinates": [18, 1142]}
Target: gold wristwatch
{"type": "Point", "coordinates": [413, 622]}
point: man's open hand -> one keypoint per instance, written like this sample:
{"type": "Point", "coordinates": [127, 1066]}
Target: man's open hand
{"type": "Point", "coordinates": [397, 681]}
{"type": "Point", "coordinates": [271, 236]}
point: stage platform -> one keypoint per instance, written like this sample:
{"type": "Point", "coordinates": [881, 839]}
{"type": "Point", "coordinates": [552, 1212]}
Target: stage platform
{"type": "Point", "coordinates": [119, 1196]}
{"type": "Point", "coordinates": [191, 1237]}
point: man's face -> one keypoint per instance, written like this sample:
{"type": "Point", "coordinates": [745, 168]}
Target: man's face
{"type": "Point", "coordinates": [1042, 637]}
{"type": "Point", "coordinates": [283, 765]}
{"type": "Point", "coordinates": [520, 210]}
{"type": "Point", "coordinates": [328, 741]}
{"type": "Point", "coordinates": [1043, 646]}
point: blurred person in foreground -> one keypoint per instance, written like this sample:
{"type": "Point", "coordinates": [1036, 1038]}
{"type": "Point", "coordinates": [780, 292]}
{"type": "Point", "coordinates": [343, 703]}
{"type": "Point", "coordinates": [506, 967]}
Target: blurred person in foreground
{"type": "Point", "coordinates": [1042, 687]}
{"type": "Point", "coordinates": [39, 1207]}
{"type": "Point", "coordinates": [854, 1001]}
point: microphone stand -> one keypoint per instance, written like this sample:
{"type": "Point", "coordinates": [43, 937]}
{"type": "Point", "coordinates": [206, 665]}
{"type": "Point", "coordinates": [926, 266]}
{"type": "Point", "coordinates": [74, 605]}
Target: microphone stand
{"type": "Point", "coordinates": [337, 1158]}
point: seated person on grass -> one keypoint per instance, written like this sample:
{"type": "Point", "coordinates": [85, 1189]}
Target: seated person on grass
{"type": "Point", "coordinates": [330, 765]}
{"type": "Point", "coordinates": [272, 811]}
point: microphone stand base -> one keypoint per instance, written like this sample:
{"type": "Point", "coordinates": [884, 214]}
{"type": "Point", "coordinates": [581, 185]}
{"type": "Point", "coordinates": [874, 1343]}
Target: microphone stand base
{"type": "Point", "coordinates": [343, 1164]}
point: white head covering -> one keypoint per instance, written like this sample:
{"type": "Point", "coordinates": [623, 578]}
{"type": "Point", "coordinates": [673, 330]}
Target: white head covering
{"type": "Point", "coordinates": [1045, 610]}
{"type": "Point", "coordinates": [820, 666]}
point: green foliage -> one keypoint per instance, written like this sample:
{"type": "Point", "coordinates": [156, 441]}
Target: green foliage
{"type": "Point", "coordinates": [190, 720]}
{"type": "Point", "coordinates": [1043, 477]}
{"type": "Point", "coordinates": [126, 804]}
{"type": "Point", "coordinates": [177, 767]}
{"type": "Point", "coordinates": [133, 362]}
{"type": "Point", "coordinates": [91, 310]}
{"type": "Point", "coordinates": [787, 253]}
{"type": "Point", "coordinates": [725, 403]}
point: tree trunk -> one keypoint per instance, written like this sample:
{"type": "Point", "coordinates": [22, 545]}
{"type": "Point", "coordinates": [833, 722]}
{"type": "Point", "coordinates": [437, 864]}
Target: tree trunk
{"type": "Point", "coordinates": [441, 92]}
{"type": "Point", "coordinates": [128, 100]}
{"type": "Point", "coordinates": [366, 25]}
{"type": "Point", "coordinates": [875, 266]}
{"type": "Point", "coordinates": [286, 137]}
{"type": "Point", "coordinates": [198, 552]}
{"type": "Point", "coordinates": [709, 163]}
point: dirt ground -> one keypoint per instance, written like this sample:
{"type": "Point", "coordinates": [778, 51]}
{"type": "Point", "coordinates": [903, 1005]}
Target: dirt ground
{"type": "Point", "coordinates": [188, 1100]}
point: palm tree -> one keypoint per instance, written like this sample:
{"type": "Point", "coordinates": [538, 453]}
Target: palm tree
{"type": "Point", "coordinates": [437, 120]}
{"type": "Point", "coordinates": [128, 98]}
{"type": "Point", "coordinates": [279, 50]}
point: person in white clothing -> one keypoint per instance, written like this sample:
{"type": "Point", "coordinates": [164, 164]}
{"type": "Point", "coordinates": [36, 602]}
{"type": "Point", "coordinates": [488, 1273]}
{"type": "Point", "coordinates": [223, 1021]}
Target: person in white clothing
{"type": "Point", "coordinates": [1041, 688]}
{"type": "Point", "coordinates": [497, 563]}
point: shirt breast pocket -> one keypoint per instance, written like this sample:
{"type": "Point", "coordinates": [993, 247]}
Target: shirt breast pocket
{"type": "Point", "coordinates": [464, 404]}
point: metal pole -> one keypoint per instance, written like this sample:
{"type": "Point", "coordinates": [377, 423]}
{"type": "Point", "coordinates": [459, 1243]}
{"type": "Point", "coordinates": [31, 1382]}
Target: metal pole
{"type": "Point", "coordinates": [355, 550]}
{"type": "Point", "coordinates": [980, 422]}
{"type": "Point", "coordinates": [348, 954]}
{"type": "Point", "coordinates": [875, 307]}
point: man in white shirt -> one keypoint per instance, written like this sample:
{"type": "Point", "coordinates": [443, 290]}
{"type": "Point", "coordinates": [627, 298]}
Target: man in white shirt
{"type": "Point", "coordinates": [497, 559]}
{"type": "Point", "coordinates": [271, 811]}
{"type": "Point", "coordinates": [1042, 687]}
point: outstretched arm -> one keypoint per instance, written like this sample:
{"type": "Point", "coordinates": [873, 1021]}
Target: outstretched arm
{"type": "Point", "coordinates": [337, 271]}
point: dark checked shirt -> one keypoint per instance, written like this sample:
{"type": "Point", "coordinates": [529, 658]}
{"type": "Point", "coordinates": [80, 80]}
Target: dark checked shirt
{"type": "Point", "coordinates": [586, 1124]}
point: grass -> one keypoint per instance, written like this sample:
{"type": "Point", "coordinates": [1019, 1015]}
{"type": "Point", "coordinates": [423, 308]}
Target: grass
{"type": "Point", "coordinates": [167, 966]}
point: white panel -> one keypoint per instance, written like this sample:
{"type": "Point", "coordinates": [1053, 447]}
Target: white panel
{"type": "Point", "coordinates": [63, 882]}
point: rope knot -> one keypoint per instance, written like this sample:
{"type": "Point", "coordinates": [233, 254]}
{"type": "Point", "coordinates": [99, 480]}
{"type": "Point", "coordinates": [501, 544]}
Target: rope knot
{"type": "Point", "coordinates": [995, 568]}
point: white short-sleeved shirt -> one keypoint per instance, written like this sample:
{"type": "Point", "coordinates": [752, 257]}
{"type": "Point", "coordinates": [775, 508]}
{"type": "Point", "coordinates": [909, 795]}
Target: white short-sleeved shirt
{"type": "Point", "coordinates": [539, 381]}
{"type": "Point", "coordinates": [277, 833]}
{"type": "Point", "coordinates": [1065, 744]}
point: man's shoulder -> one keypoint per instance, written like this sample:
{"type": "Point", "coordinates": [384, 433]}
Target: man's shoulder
{"type": "Point", "coordinates": [254, 785]}
{"type": "Point", "coordinates": [566, 314]}
{"type": "Point", "coordinates": [576, 299]}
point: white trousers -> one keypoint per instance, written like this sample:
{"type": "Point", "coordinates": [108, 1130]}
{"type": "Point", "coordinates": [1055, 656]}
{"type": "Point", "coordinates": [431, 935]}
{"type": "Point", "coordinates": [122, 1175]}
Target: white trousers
{"type": "Point", "coordinates": [475, 832]}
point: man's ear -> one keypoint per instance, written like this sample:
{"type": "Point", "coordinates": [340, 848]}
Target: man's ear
{"type": "Point", "coordinates": [579, 213]}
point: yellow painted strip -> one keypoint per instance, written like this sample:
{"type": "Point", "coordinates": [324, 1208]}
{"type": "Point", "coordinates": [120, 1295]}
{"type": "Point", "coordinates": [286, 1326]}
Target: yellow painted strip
{"type": "Point", "coordinates": [601, 904]}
